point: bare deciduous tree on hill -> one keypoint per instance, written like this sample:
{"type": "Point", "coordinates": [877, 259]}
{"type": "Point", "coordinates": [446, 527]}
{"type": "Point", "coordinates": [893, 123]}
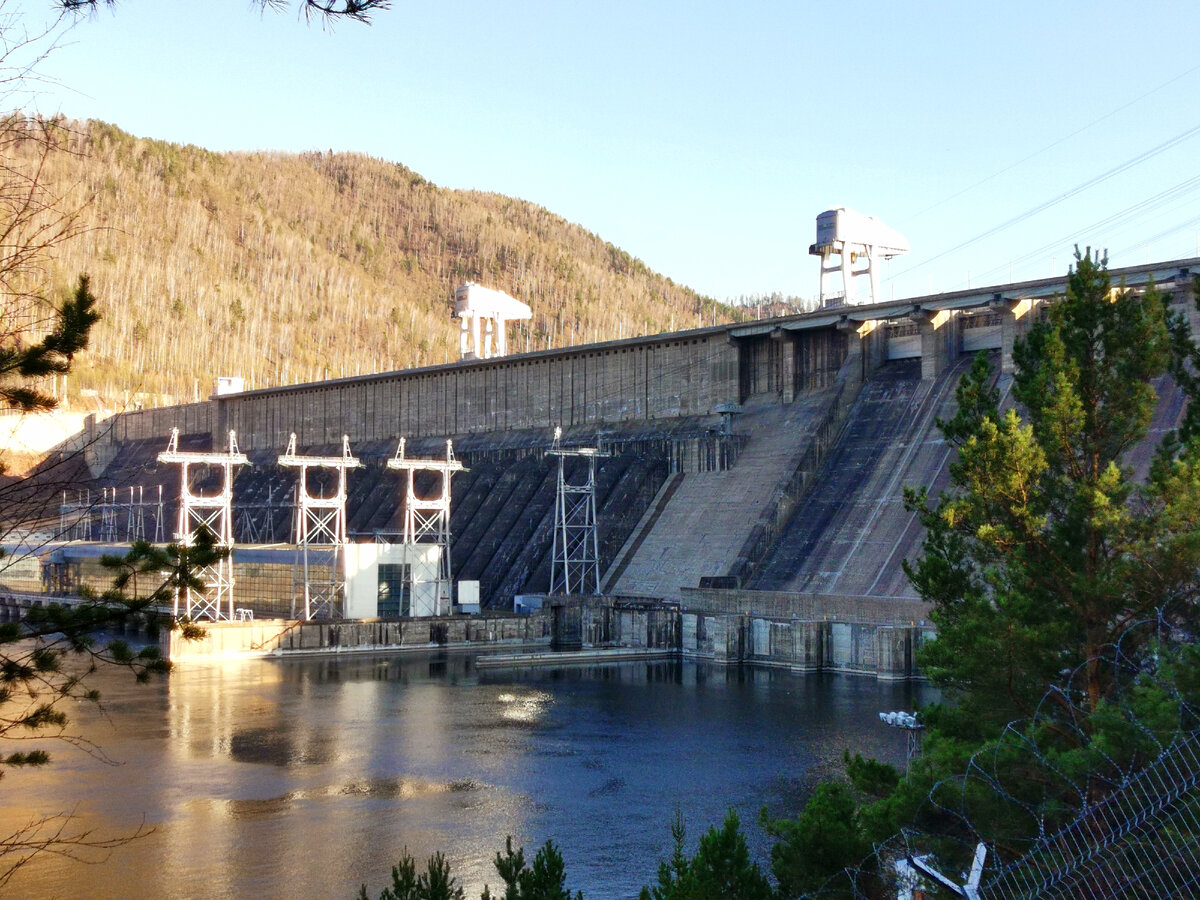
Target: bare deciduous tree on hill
{"type": "Point", "coordinates": [46, 655]}
{"type": "Point", "coordinates": [40, 332]}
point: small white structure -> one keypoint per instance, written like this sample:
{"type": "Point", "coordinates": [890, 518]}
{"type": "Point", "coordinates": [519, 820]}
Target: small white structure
{"type": "Point", "coordinates": [468, 596]}
{"type": "Point", "coordinates": [229, 384]}
{"type": "Point", "coordinates": [483, 312]}
{"type": "Point", "coordinates": [391, 581]}
{"type": "Point", "coordinates": [853, 238]}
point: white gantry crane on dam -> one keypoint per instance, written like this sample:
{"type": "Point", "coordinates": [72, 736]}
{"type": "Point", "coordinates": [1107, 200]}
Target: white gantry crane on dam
{"type": "Point", "coordinates": [856, 240]}
{"type": "Point", "coordinates": [483, 312]}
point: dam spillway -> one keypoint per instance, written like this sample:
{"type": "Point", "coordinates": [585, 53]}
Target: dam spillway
{"type": "Point", "coordinates": [852, 528]}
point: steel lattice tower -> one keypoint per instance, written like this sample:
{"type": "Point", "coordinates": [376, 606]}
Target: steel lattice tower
{"type": "Point", "coordinates": [108, 516]}
{"type": "Point", "coordinates": [427, 519]}
{"type": "Point", "coordinates": [575, 565]}
{"type": "Point", "coordinates": [215, 512]}
{"type": "Point", "coordinates": [320, 522]}
{"type": "Point", "coordinates": [75, 517]}
{"type": "Point", "coordinates": [135, 518]}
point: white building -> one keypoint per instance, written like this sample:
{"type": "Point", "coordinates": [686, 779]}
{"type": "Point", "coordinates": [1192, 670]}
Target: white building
{"type": "Point", "coordinates": [391, 580]}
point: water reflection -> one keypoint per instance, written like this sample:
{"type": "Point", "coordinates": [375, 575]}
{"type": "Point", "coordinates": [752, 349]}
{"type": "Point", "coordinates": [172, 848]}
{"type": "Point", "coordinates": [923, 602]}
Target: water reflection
{"type": "Point", "coordinates": [309, 776]}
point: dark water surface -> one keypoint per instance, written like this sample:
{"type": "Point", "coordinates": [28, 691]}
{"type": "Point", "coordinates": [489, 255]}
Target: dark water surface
{"type": "Point", "coordinates": [306, 778]}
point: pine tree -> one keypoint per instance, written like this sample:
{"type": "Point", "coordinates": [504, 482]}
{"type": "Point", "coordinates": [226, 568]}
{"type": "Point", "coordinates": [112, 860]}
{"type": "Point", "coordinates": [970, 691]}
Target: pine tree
{"type": "Point", "coordinates": [721, 867]}
{"type": "Point", "coordinates": [1048, 546]}
{"type": "Point", "coordinates": [23, 362]}
{"type": "Point", "coordinates": [1063, 526]}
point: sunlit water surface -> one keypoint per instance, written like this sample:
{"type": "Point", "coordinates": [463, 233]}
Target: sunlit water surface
{"type": "Point", "coordinates": [307, 778]}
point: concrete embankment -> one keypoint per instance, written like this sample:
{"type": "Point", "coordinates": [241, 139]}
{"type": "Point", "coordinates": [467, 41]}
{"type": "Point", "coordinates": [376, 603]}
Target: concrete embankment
{"type": "Point", "coordinates": [277, 637]}
{"type": "Point", "coordinates": [807, 633]}
{"type": "Point", "coordinates": [592, 630]}
{"type": "Point", "coordinates": [572, 657]}
{"type": "Point", "coordinates": [727, 628]}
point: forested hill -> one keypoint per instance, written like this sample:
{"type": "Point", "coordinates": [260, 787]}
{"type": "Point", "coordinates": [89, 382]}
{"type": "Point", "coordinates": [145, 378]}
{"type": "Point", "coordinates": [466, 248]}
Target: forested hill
{"type": "Point", "coordinates": [285, 268]}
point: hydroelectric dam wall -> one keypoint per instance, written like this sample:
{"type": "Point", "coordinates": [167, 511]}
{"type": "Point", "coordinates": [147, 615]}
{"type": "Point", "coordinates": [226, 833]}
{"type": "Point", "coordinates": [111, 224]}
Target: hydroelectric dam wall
{"type": "Point", "coordinates": [723, 439]}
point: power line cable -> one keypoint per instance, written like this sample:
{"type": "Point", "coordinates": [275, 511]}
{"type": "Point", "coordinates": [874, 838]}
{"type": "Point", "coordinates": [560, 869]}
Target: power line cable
{"type": "Point", "coordinates": [1163, 234]}
{"type": "Point", "coordinates": [1181, 189]}
{"type": "Point", "coordinates": [1066, 195]}
{"type": "Point", "coordinates": [1056, 143]}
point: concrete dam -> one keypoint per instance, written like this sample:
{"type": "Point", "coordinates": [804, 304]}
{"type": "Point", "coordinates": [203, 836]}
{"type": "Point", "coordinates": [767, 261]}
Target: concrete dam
{"type": "Point", "coordinates": [755, 474]}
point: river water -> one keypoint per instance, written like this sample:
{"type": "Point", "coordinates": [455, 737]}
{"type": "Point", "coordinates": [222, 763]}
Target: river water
{"type": "Point", "coordinates": [307, 778]}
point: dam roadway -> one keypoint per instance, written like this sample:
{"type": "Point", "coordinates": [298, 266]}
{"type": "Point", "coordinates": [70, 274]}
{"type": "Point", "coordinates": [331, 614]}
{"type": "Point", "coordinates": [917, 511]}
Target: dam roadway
{"type": "Point", "coordinates": [756, 466]}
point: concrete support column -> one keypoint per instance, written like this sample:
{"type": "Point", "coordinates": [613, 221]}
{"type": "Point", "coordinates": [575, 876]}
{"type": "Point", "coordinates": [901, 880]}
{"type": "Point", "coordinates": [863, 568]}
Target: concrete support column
{"type": "Point", "coordinates": [1015, 318]}
{"type": "Point", "coordinates": [808, 646]}
{"type": "Point", "coordinates": [728, 638]}
{"type": "Point", "coordinates": [893, 652]}
{"type": "Point", "coordinates": [566, 625]}
{"type": "Point", "coordinates": [939, 339]}
{"type": "Point", "coordinates": [867, 340]}
{"type": "Point", "coordinates": [787, 365]}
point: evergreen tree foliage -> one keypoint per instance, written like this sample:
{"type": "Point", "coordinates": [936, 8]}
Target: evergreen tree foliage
{"type": "Point", "coordinates": [1063, 527]}
{"type": "Point", "coordinates": [1048, 547]}
{"type": "Point", "coordinates": [435, 883]}
{"type": "Point", "coordinates": [826, 837]}
{"type": "Point", "coordinates": [23, 362]}
{"type": "Point", "coordinates": [545, 879]}
{"type": "Point", "coordinates": [47, 655]}
{"type": "Point", "coordinates": [721, 867]}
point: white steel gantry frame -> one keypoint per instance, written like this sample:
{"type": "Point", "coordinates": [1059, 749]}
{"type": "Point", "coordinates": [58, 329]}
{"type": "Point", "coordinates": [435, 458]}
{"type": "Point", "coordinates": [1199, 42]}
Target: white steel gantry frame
{"type": "Point", "coordinates": [213, 511]}
{"type": "Point", "coordinates": [575, 565]}
{"type": "Point", "coordinates": [853, 237]}
{"type": "Point", "coordinates": [320, 521]}
{"type": "Point", "coordinates": [427, 519]}
{"type": "Point", "coordinates": [482, 312]}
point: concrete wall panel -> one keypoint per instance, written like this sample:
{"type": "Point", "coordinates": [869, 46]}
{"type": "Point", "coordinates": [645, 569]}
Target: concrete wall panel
{"type": "Point", "coordinates": [604, 384]}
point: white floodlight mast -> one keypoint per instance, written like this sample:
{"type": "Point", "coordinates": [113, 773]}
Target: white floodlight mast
{"type": "Point", "coordinates": [851, 237]}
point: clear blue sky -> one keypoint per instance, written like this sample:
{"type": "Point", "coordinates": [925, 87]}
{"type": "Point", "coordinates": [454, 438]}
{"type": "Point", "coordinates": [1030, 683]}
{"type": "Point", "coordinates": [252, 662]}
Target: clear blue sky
{"type": "Point", "coordinates": [704, 138]}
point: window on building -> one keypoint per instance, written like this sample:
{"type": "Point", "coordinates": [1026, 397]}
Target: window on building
{"type": "Point", "coordinates": [395, 590]}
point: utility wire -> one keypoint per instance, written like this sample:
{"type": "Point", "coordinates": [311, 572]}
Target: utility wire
{"type": "Point", "coordinates": [1066, 195]}
{"type": "Point", "coordinates": [1056, 143]}
{"type": "Point", "coordinates": [1162, 234]}
{"type": "Point", "coordinates": [1184, 188]}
